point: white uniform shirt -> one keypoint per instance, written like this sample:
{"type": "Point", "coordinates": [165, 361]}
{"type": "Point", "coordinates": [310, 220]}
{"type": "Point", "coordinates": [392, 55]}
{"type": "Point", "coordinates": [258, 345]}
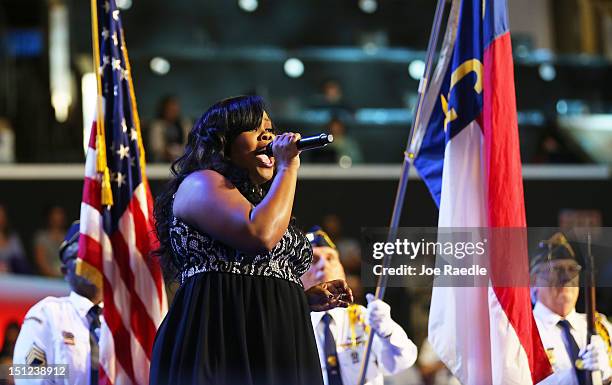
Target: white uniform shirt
{"type": "Point", "coordinates": [57, 327]}
{"type": "Point", "coordinates": [388, 356]}
{"type": "Point", "coordinates": [552, 339]}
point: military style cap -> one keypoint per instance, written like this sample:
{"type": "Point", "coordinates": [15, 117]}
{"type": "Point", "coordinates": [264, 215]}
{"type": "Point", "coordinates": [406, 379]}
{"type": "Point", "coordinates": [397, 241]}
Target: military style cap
{"type": "Point", "coordinates": [70, 245]}
{"type": "Point", "coordinates": [555, 248]}
{"type": "Point", "coordinates": [318, 237]}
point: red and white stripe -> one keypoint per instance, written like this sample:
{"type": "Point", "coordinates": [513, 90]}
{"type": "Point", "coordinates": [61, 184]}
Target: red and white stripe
{"type": "Point", "coordinates": [134, 296]}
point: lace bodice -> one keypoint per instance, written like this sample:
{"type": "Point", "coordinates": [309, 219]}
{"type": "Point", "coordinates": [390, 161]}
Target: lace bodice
{"type": "Point", "coordinates": [198, 252]}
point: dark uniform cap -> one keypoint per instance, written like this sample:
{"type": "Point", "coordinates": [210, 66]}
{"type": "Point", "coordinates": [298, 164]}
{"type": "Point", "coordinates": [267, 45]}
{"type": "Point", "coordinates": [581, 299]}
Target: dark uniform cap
{"type": "Point", "coordinates": [69, 246]}
{"type": "Point", "coordinates": [555, 248]}
{"type": "Point", "coordinates": [319, 238]}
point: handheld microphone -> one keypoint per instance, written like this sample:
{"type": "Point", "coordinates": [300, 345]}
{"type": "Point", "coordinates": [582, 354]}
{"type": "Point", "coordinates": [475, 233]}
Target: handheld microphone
{"type": "Point", "coordinates": [307, 143]}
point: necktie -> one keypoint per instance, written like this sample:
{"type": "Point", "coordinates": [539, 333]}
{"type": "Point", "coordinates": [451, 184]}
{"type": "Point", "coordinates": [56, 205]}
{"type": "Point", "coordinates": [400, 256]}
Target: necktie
{"type": "Point", "coordinates": [331, 357]}
{"type": "Point", "coordinates": [93, 316]}
{"type": "Point", "coordinates": [572, 349]}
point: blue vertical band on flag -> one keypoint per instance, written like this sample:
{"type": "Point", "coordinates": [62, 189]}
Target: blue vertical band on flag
{"type": "Point", "coordinates": [430, 159]}
{"type": "Point", "coordinates": [460, 98]}
{"type": "Point", "coordinates": [464, 97]}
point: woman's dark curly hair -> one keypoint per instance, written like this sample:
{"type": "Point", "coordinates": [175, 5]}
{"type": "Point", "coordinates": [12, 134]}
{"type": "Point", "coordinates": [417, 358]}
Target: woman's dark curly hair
{"type": "Point", "coordinates": [208, 147]}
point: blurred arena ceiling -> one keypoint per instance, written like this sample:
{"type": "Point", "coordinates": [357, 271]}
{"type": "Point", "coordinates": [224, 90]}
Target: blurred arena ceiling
{"type": "Point", "coordinates": [154, 24]}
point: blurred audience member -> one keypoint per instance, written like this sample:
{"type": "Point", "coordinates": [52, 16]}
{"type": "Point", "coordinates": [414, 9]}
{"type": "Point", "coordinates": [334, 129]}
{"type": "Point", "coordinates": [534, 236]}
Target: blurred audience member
{"type": "Point", "coordinates": [344, 150]}
{"type": "Point", "coordinates": [12, 255]}
{"type": "Point", "coordinates": [332, 99]}
{"type": "Point", "coordinates": [11, 332]}
{"type": "Point", "coordinates": [7, 142]}
{"type": "Point", "coordinates": [345, 146]}
{"type": "Point", "coordinates": [5, 362]}
{"type": "Point", "coordinates": [349, 248]}
{"type": "Point", "coordinates": [168, 133]}
{"type": "Point", "coordinates": [6, 354]}
{"type": "Point", "coordinates": [47, 241]}
{"type": "Point", "coordinates": [332, 91]}
{"type": "Point", "coordinates": [552, 149]}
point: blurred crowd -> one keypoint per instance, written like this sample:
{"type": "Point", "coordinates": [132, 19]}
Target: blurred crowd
{"type": "Point", "coordinates": [11, 331]}
{"type": "Point", "coordinates": [40, 255]}
{"type": "Point", "coordinates": [166, 133]}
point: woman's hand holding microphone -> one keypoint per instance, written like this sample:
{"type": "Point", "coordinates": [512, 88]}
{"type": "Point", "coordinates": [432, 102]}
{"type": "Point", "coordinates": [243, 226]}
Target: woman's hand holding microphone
{"type": "Point", "coordinates": [286, 153]}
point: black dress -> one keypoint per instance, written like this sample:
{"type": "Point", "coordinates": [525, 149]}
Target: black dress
{"type": "Point", "coordinates": [237, 318]}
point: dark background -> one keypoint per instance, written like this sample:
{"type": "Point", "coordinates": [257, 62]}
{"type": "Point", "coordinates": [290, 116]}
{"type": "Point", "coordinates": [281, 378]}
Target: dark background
{"type": "Point", "coordinates": [359, 203]}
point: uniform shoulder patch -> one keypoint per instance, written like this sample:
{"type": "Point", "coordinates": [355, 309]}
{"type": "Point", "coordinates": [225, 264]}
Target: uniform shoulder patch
{"type": "Point", "coordinates": [36, 356]}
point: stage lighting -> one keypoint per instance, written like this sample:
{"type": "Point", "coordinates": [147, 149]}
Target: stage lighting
{"type": "Point", "coordinates": [59, 61]}
{"type": "Point", "coordinates": [370, 48]}
{"type": "Point", "coordinates": [416, 69]}
{"type": "Point", "coordinates": [159, 65]}
{"type": "Point", "coordinates": [294, 68]}
{"type": "Point", "coordinates": [124, 4]}
{"type": "Point", "coordinates": [562, 107]}
{"type": "Point", "coordinates": [248, 5]}
{"type": "Point", "coordinates": [547, 72]}
{"type": "Point", "coordinates": [345, 161]}
{"type": "Point", "coordinates": [368, 6]}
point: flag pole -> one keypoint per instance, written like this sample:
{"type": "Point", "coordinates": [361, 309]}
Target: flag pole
{"type": "Point", "coordinates": [409, 155]}
{"type": "Point", "coordinates": [593, 377]}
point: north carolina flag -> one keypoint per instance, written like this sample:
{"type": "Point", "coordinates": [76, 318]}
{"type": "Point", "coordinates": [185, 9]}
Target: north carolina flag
{"type": "Point", "coordinates": [467, 152]}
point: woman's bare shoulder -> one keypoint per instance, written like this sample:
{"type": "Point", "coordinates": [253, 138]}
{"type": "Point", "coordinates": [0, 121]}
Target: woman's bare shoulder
{"type": "Point", "coordinates": [202, 177]}
{"type": "Point", "coordinates": [198, 189]}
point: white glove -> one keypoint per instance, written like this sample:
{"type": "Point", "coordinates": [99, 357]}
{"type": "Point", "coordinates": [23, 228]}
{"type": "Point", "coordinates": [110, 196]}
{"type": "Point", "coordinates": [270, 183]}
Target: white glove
{"type": "Point", "coordinates": [379, 316]}
{"type": "Point", "coordinates": [595, 357]}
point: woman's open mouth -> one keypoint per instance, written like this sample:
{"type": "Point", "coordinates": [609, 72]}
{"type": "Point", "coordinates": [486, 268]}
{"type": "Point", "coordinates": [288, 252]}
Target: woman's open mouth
{"type": "Point", "coordinates": [265, 161]}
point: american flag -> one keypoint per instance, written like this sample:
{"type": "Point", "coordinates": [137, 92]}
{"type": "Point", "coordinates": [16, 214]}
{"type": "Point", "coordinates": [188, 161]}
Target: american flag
{"type": "Point", "coordinates": [117, 228]}
{"type": "Point", "coordinates": [469, 159]}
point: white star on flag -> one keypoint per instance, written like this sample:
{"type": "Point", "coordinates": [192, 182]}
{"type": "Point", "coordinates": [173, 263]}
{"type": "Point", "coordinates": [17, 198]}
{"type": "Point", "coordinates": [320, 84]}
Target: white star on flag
{"type": "Point", "coordinates": [117, 64]}
{"type": "Point", "coordinates": [120, 179]}
{"type": "Point", "coordinates": [123, 74]}
{"type": "Point", "coordinates": [105, 62]}
{"type": "Point", "coordinates": [123, 151]}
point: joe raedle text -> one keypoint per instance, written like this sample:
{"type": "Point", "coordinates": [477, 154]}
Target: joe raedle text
{"type": "Point", "coordinates": [424, 270]}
